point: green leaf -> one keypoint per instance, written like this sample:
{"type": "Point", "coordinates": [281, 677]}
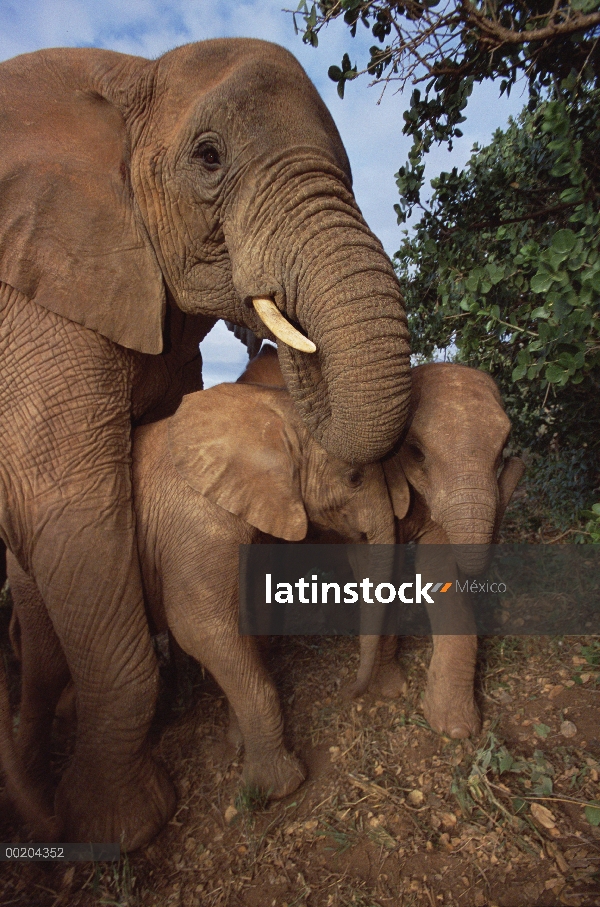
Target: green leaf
{"type": "Point", "coordinates": [544, 787]}
{"type": "Point", "coordinates": [555, 374]}
{"type": "Point", "coordinates": [572, 194]}
{"type": "Point", "coordinates": [564, 241]}
{"type": "Point", "coordinates": [542, 730]}
{"type": "Point", "coordinates": [592, 813]}
{"type": "Point", "coordinates": [541, 282]}
{"type": "Point", "coordinates": [519, 372]}
{"type": "Point", "coordinates": [495, 273]}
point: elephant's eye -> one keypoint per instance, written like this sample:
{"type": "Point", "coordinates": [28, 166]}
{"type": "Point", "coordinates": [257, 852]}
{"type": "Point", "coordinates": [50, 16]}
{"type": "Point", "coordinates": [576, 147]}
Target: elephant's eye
{"type": "Point", "coordinates": [209, 156]}
{"type": "Point", "coordinates": [415, 452]}
{"type": "Point", "coordinates": [355, 478]}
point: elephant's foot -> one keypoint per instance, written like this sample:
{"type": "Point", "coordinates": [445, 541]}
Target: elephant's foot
{"type": "Point", "coordinates": [31, 806]}
{"type": "Point", "coordinates": [389, 681]}
{"type": "Point", "coordinates": [92, 808]}
{"type": "Point", "coordinates": [275, 775]}
{"type": "Point", "coordinates": [451, 710]}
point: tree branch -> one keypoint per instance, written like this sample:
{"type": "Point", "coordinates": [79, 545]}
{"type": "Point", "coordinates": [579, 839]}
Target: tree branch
{"type": "Point", "coordinates": [494, 33]}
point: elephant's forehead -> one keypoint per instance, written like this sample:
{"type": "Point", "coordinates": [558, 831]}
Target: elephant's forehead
{"type": "Point", "coordinates": [251, 89]}
{"type": "Point", "coordinates": [459, 412]}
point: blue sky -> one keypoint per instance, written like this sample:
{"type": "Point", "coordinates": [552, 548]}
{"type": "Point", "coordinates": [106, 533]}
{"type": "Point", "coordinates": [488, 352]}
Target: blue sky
{"type": "Point", "coordinates": [371, 132]}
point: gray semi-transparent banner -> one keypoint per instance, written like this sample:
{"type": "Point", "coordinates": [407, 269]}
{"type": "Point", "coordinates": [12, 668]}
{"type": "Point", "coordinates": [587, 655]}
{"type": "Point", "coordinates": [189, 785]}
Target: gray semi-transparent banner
{"type": "Point", "coordinates": [415, 590]}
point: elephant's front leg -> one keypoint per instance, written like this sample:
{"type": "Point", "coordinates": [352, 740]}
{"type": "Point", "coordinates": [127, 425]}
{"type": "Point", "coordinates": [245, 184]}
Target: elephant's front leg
{"type": "Point", "coordinates": [388, 678]}
{"type": "Point", "coordinates": [235, 663]}
{"type": "Point", "coordinates": [68, 456]}
{"type": "Point", "coordinates": [449, 702]}
{"type": "Point", "coordinates": [113, 790]}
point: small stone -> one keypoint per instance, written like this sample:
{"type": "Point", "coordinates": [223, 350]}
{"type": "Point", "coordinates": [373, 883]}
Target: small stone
{"type": "Point", "coordinates": [568, 729]}
{"type": "Point", "coordinates": [415, 797]}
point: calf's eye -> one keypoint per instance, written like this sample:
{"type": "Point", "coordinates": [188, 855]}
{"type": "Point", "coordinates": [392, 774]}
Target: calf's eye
{"type": "Point", "coordinates": [415, 452]}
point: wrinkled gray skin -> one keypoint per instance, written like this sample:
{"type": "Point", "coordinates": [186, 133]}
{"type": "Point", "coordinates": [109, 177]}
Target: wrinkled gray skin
{"type": "Point", "coordinates": [199, 494]}
{"type": "Point", "coordinates": [131, 188]}
{"type": "Point", "coordinates": [450, 486]}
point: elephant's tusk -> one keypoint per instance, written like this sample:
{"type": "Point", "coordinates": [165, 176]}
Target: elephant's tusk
{"type": "Point", "coordinates": [270, 315]}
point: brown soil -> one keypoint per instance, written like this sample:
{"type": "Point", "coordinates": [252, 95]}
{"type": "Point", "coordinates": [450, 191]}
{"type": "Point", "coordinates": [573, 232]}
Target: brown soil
{"type": "Point", "coordinates": [391, 814]}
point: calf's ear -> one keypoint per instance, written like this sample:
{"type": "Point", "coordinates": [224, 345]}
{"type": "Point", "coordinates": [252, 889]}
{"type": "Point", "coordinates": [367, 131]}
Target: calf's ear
{"type": "Point", "coordinates": [509, 478]}
{"type": "Point", "coordinates": [233, 444]}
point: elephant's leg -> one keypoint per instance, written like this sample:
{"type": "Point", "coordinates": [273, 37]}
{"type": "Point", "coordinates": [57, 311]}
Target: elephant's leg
{"type": "Point", "coordinates": [65, 393]}
{"type": "Point", "coordinates": [44, 675]}
{"type": "Point", "coordinates": [449, 702]}
{"type": "Point", "coordinates": [113, 790]}
{"type": "Point", "coordinates": [235, 663]}
{"type": "Point", "coordinates": [388, 678]}
{"type": "Point", "coordinates": [236, 666]}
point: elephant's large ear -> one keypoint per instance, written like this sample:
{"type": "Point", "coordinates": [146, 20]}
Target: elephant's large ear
{"type": "Point", "coordinates": [70, 235]}
{"type": "Point", "coordinates": [233, 444]}
{"type": "Point", "coordinates": [397, 485]}
{"type": "Point", "coordinates": [510, 476]}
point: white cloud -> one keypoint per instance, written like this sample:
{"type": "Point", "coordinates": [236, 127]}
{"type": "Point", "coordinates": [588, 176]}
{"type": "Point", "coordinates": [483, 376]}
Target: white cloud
{"type": "Point", "coordinates": [371, 133]}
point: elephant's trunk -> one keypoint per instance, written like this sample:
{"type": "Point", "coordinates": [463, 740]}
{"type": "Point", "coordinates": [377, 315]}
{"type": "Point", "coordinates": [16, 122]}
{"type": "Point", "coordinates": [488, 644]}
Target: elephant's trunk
{"type": "Point", "coordinates": [378, 564]}
{"type": "Point", "coordinates": [330, 276]}
{"type": "Point", "coordinates": [468, 516]}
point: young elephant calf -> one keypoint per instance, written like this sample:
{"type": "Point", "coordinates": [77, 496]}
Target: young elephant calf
{"type": "Point", "coordinates": [233, 466]}
{"type": "Point", "coordinates": [450, 487]}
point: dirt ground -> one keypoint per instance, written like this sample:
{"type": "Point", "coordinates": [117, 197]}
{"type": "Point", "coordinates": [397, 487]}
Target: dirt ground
{"type": "Point", "coordinates": [391, 813]}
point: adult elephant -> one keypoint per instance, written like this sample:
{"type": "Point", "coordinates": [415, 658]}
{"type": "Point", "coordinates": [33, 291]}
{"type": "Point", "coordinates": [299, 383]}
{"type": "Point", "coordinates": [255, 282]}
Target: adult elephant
{"type": "Point", "coordinates": [204, 180]}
